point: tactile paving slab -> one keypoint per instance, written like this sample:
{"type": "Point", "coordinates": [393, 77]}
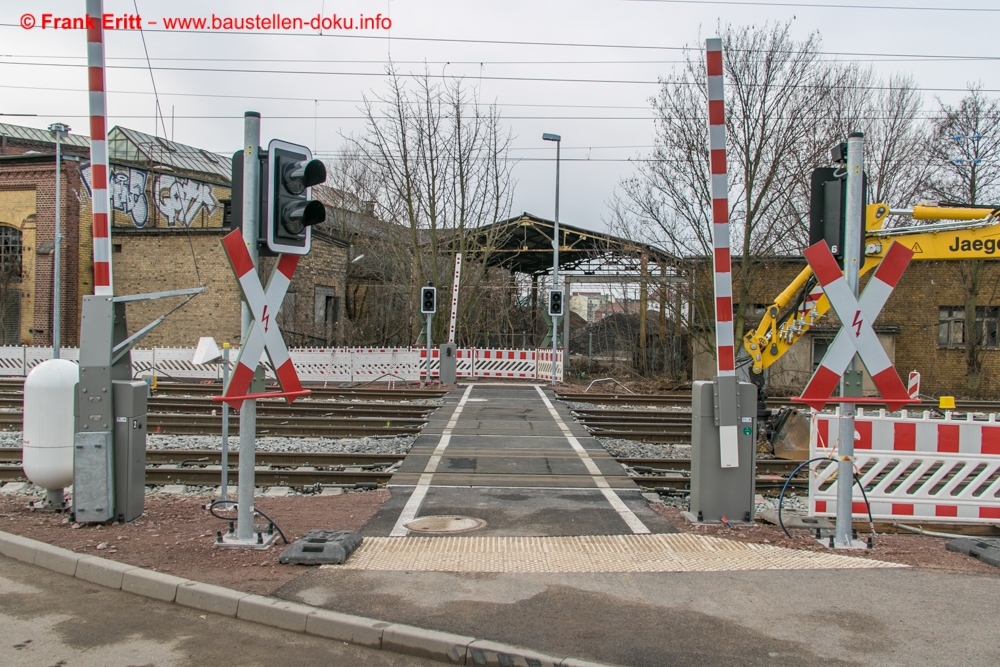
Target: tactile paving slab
{"type": "Point", "coordinates": [598, 553]}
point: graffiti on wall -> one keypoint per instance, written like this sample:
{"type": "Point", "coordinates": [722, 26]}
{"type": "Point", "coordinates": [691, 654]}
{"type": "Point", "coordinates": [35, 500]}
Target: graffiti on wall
{"type": "Point", "coordinates": [127, 190]}
{"type": "Point", "coordinates": [182, 199]}
{"type": "Point", "coordinates": [179, 200]}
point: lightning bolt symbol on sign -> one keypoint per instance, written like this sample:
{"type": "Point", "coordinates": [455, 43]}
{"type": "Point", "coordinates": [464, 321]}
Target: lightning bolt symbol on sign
{"type": "Point", "coordinates": [857, 323]}
{"type": "Point", "coordinates": [265, 318]}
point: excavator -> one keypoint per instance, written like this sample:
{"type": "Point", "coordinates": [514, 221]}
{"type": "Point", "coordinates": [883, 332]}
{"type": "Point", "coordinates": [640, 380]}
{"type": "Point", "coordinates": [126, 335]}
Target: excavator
{"type": "Point", "coordinates": [952, 232]}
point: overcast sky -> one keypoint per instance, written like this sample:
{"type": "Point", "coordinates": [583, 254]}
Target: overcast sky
{"type": "Point", "coordinates": [540, 61]}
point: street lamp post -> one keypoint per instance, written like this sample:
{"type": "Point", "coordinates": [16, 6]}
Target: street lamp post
{"type": "Point", "coordinates": [59, 129]}
{"type": "Point", "coordinates": [548, 136]}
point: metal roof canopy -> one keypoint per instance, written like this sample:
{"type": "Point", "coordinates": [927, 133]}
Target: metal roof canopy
{"type": "Point", "coordinates": [132, 146]}
{"type": "Point", "coordinates": [524, 245]}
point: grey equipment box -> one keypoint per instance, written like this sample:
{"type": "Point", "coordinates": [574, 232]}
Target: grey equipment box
{"type": "Point", "coordinates": [448, 370]}
{"type": "Point", "coordinates": [130, 448]}
{"type": "Point", "coordinates": [718, 491]}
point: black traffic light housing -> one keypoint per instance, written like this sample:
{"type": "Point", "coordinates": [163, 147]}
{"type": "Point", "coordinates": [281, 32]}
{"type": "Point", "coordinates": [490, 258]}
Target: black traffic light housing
{"type": "Point", "coordinates": [291, 171]}
{"type": "Point", "coordinates": [285, 211]}
{"type": "Point", "coordinates": [556, 302]}
{"type": "Point", "coordinates": [828, 205]}
{"type": "Point", "coordinates": [428, 300]}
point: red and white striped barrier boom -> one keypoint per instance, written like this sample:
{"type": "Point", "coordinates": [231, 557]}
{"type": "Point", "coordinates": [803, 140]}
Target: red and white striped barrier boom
{"type": "Point", "coordinates": [454, 297]}
{"type": "Point", "coordinates": [101, 224]}
{"type": "Point", "coordinates": [722, 264]}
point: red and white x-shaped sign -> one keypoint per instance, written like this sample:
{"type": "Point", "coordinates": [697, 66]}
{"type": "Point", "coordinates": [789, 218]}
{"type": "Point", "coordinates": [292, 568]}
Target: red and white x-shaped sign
{"type": "Point", "coordinates": [264, 333]}
{"type": "Point", "coordinates": [857, 334]}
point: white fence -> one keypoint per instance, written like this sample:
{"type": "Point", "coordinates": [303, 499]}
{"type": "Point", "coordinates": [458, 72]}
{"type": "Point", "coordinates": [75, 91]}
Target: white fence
{"type": "Point", "coordinates": [317, 365]}
{"type": "Point", "coordinates": [933, 469]}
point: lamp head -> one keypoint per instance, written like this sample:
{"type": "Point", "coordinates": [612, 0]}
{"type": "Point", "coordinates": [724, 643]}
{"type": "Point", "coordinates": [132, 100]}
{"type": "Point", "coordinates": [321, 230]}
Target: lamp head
{"type": "Point", "coordinates": [548, 136]}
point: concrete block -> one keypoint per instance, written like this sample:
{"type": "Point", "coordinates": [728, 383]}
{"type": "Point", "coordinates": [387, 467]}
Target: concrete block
{"type": "Point", "coordinates": [11, 488]}
{"type": "Point", "coordinates": [652, 498]}
{"type": "Point", "coordinates": [18, 548]}
{"type": "Point", "coordinates": [57, 559]}
{"type": "Point", "coordinates": [175, 489]}
{"type": "Point", "coordinates": [331, 491]}
{"type": "Point", "coordinates": [494, 654]}
{"type": "Point", "coordinates": [151, 584]}
{"type": "Point", "coordinates": [102, 571]}
{"type": "Point", "coordinates": [277, 492]}
{"type": "Point", "coordinates": [275, 613]}
{"type": "Point", "coordinates": [207, 597]}
{"type": "Point", "coordinates": [432, 644]}
{"type": "Point", "coordinates": [346, 628]}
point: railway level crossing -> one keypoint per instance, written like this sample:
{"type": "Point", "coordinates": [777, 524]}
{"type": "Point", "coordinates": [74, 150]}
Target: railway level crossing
{"type": "Point", "coordinates": [512, 457]}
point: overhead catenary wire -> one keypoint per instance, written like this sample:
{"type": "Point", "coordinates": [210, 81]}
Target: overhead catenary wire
{"type": "Point", "coordinates": [523, 79]}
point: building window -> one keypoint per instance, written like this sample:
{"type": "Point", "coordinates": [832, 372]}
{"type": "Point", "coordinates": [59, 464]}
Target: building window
{"type": "Point", "coordinates": [10, 290]}
{"type": "Point", "coordinates": [819, 348]}
{"type": "Point", "coordinates": [986, 325]}
{"type": "Point", "coordinates": [951, 326]}
{"type": "Point", "coordinates": [10, 254]}
{"type": "Point", "coordinates": [327, 314]}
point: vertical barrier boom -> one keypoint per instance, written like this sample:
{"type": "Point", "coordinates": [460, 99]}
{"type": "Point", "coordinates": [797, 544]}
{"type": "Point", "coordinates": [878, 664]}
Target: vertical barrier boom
{"type": "Point", "coordinates": [726, 380]}
{"type": "Point", "coordinates": [101, 224]}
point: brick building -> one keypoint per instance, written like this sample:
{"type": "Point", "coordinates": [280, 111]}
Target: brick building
{"type": "Point", "coordinates": [168, 219]}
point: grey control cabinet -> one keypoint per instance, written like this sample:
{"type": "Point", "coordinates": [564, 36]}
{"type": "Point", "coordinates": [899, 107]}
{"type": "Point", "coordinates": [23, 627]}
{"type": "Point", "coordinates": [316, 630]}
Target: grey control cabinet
{"type": "Point", "coordinates": [718, 491]}
{"type": "Point", "coordinates": [130, 448]}
{"type": "Point", "coordinates": [448, 368]}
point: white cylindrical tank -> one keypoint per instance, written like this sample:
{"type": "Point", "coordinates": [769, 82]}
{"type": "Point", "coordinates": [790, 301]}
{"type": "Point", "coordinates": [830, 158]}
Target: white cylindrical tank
{"type": "Point", "coordinates": [49, 425]}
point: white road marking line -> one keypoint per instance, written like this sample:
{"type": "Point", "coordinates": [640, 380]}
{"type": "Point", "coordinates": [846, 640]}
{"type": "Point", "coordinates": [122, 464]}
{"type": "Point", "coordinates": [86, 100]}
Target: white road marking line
{"type": "Point", "coordinates": [412, 506]}
{"type": "Point", "coordinates": [634, 523]}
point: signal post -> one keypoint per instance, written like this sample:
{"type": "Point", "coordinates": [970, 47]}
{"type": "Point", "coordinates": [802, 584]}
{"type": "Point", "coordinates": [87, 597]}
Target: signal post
{"type": "Point", "coordinates": [275, 218]}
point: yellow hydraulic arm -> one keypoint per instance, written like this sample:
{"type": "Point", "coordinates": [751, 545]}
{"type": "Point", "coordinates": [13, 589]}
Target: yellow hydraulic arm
{"type": "Point", "coordinates": [965, 233]}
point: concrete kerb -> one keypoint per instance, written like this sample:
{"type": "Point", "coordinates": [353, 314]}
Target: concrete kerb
{"type": "Point", "coordinates": [399, 638]}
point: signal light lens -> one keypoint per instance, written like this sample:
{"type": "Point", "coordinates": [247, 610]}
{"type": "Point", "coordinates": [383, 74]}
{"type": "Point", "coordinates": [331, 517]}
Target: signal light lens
{"type": "Point", "coordinates": [300, 175]}
{"type": "Point", "coordinates": [298, 215]}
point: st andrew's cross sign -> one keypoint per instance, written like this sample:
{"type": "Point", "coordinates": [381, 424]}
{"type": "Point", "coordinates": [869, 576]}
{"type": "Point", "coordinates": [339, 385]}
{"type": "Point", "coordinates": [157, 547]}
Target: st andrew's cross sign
{"type": "Point", "coordinates": [856, 334]}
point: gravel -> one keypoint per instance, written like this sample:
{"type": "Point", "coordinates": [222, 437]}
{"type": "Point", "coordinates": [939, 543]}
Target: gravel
{"type": "Point", "coordinates": [574, 405]}
{"type": "Point", "coordinates": [367, 445]}
{"type": "Point", "coordinates": [631, 449]}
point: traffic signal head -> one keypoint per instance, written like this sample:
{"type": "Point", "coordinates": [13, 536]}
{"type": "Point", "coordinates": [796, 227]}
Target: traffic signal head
{"type": "Point", "coordinates": [428, 300]}
{"type": "Point", "coordinates": [556, 302]}
{"type": "Point", "coordinates": [828, 209]}
{"type": "Point", "coordinates": [291, 171]}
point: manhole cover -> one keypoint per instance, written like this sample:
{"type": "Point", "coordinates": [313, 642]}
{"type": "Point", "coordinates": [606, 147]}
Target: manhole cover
{"type": "Point", "coordinates": [444, 524]}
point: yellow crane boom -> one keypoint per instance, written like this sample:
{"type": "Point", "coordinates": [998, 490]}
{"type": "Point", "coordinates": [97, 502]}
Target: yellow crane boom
{"type": "Point", "coordinates": [963, 233]}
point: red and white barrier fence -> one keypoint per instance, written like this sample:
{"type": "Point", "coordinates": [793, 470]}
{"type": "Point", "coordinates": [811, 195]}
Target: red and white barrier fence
{"type": "Point", "coordinates": [318, 364]}
{"type": "Point", "coordinates": [912, 467]}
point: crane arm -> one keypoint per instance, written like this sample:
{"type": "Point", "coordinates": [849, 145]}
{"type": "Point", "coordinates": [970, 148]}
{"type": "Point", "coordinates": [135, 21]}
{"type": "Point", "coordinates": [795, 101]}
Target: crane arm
{"type": "Point", "coordinates": [966, 233]}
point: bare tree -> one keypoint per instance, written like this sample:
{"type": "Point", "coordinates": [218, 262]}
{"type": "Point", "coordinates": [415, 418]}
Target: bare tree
{"type": "Point", "coordinates": [774, 85]}
{"type": "Point", "coordinates": [436, 160]}
{"type": "Point", "coordinates": [965, 149]}
{"type": "Point", "coordinates": [888, 112]}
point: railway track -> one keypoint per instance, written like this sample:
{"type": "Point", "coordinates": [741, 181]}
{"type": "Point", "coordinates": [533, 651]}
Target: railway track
{"type": "Point", "coordinates": [318, 393]}
{"type": "Point", "coordinates": [683, 399]}
{"type": "Point", "coordinates": [309, 426]}
{"type": "Point", "coordinates": [201, 468]}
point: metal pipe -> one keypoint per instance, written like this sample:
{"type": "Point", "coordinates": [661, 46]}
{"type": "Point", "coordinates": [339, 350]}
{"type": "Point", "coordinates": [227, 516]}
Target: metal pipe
{"type": "Point", "coordinates": [853, 258]}
{"type": "Point", "coordinates": [58, 129]}
{"type": "Point", "coordinates": [225, 425]}
{"type": "Point", "coordinates": [248, 413]}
